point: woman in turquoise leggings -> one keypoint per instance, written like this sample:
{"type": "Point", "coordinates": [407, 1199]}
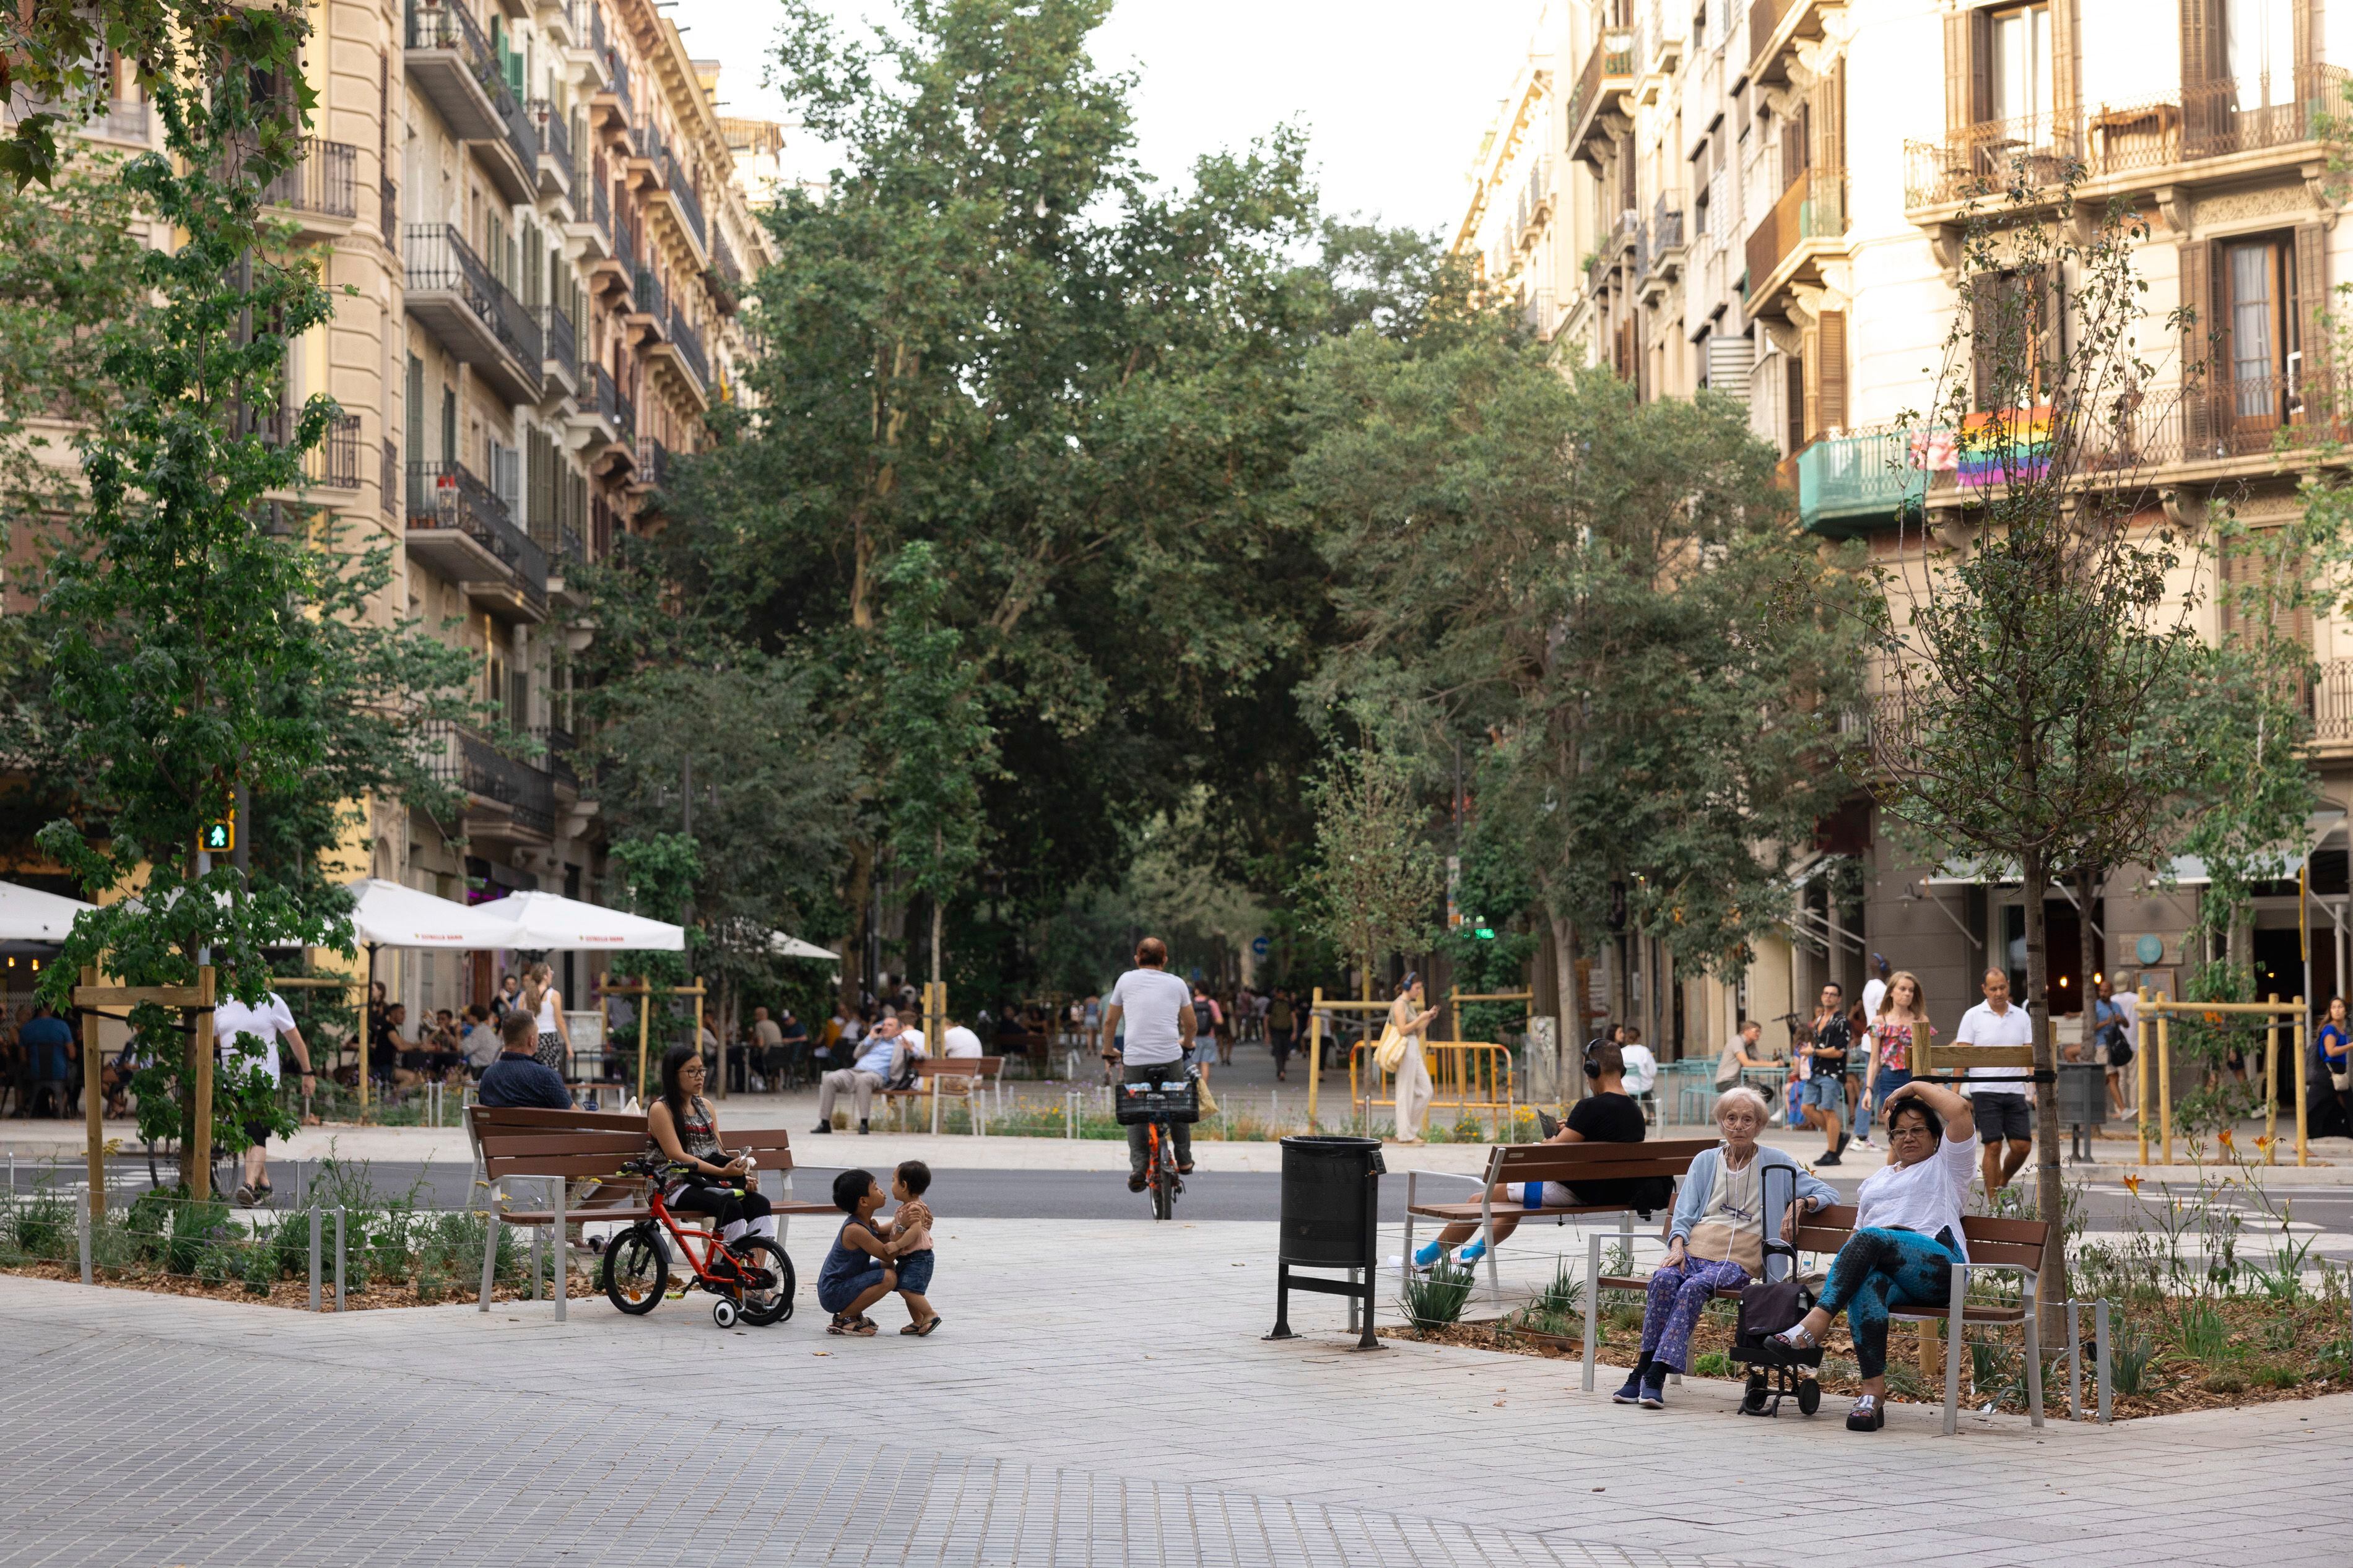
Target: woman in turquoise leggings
{"type": "Point", "coordinates": [1907, 1235]}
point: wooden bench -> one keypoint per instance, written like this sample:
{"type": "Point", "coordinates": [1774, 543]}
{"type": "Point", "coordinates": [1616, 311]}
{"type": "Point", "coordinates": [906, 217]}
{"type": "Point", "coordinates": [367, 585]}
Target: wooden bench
{"type": "Point", "coordinates": [1995, 1246]}
{"type": "Point", "coordinates": [567, 1147]}
{"type": "Point", "coordinates": [936, 1076]}
{"type": "Point", "coordinates": [1570, 1164]}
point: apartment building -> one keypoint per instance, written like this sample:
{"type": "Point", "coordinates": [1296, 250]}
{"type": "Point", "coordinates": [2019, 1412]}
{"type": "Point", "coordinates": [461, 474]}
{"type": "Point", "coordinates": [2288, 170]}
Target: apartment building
{"type": "Point", "coordinates": [1768, 199]}
{"type": "Point", "coordinates": [536, 236]}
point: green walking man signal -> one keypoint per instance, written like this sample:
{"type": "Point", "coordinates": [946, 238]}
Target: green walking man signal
{"type": "Point", "coordinates": [218, 837]}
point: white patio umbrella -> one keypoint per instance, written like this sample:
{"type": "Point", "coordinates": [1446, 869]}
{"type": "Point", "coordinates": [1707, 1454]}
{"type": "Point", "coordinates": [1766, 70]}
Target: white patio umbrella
{"type": "Point", "coordinates": [389, 915]}
{"type": "Point", "coordinates": [28, 914]}
{"type": "Point", "coordinates": [549, 922]}
{"type": "Point", "coordinates": [784, 946]}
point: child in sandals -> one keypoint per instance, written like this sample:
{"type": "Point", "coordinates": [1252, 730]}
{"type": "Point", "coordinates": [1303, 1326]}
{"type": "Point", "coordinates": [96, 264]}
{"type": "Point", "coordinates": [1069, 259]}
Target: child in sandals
{"type": "Point", "coordinates": [911, 1244]}
{"type": "Point", "coordinates": [858, 1270]}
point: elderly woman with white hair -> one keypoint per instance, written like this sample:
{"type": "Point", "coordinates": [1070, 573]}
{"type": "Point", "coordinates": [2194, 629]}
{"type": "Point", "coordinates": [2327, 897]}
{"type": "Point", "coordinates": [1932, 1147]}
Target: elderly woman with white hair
{"type": "Point", "coordinates": [1716, 1239]}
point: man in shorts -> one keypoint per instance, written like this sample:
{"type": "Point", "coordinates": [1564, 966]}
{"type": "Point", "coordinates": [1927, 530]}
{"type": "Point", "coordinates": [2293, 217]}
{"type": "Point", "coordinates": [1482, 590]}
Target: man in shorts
{"type": "Point", "coordinates": [1823, 1094]}
{"type": "Point", "coordinates": [248, 1036]}
{"type": "Point", "coordinates": [1998, 1101]}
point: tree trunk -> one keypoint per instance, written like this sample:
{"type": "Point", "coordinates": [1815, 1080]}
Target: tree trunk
{"type": "Point", "coordinates": [1572, 1006]}
{"type": "Point", "coordinates": [2049, 1187]}
{"type": "Point", "coordinates": [939, 966]}
{"type": "Point", "coordinates": [859, 886]}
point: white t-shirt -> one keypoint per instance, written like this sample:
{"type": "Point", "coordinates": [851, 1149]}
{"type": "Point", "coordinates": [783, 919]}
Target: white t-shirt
{"type": "Point", "coordinates": [267, 1022]}
{"type": "Point", "coordinates": [1150, 1002]}
{"type": "Point", "coordinates": [1641, 1068]}
{"type": "Point", "coordinates": [960, 1041]}
{"type": "Point", "coordinates": [1981, 1026]}
{"type": "Point", "coordinates": [1926, 1197]}
{"type": "Point", "coordinates": [1874, 990]}
{"type": "Point", "coordinates": [913, 1038]}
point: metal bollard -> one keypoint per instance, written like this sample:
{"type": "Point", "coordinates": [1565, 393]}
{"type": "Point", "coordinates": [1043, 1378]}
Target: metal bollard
{"type": "Point", "coordinates": [316, 1217]}
{"type": "Point", "coordinates": [2100, 1355]}
{"type": "Point", "coordinates": [339, 1259]}
{"type": "Point", "coordinates": [81, 1228]}
{"type": "Point", "coordinates": [2075, 1360]}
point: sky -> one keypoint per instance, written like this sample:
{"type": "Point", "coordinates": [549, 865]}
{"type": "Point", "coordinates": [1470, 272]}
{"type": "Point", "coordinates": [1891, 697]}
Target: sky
{"type": "Point", "coordinates": [1396, 93]}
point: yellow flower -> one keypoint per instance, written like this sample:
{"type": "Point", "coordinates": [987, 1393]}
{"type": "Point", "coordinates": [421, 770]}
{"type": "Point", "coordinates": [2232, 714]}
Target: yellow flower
{"type": "Point", "coordinates": [2224, 1137]}
{"type": "Point", "coordinates": [2132, 1185]}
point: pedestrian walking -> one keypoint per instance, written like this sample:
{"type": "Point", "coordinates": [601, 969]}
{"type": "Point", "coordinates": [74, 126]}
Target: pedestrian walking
{"type": "Point", "coordinates": [1414, 1091]}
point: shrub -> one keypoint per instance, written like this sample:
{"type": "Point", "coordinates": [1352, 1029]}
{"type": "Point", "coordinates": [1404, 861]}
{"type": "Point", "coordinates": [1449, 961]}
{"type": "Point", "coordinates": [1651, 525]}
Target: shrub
{"type": "Point", "coordinates": [1435, 1300]}
{"type": "Point", "coordinates": [2277, 1377]}
{"type": "Point", "coordinates": [1715, 1363]}
{"type": "Point", "coordinates": [2224, 1380]}
{"type": "Point", "coordinates": [1904, 1381]}
{"type": "Point", "coordinates": [261, 1264]}
{"type": "Point", "coordinates": [1564, 1295]}
{"type": "Point", "coordinates": [42, 1225]}
{"type": "Point", "coordinates": [2129, 1354]}
{"type": "Point", "coordinates": [195, 1227]}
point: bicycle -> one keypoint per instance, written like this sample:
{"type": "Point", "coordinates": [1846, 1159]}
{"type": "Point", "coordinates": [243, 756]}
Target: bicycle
{"type": "Point", "coordinates": [1157, 1106]}
{"type": "Point", "coordinates": [751, 1276]}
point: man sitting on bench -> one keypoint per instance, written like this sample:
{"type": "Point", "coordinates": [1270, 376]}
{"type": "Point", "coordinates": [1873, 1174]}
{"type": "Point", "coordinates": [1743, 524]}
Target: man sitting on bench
{"type": "Point", "coordinates": [1606, 1115]}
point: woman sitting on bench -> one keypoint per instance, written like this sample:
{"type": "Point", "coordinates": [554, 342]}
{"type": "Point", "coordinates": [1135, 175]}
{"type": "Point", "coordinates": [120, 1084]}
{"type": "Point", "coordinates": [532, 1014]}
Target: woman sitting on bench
{"type": "Point", "coordinates": [1716, 1239]}
{"type": "Point", "coordinates": [1907, 1235]}
{"type": "Point", "coordinates": [682, 1126]}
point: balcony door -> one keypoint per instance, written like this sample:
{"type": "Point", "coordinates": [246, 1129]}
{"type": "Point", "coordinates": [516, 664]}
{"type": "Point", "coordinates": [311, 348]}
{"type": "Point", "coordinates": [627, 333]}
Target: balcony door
{"type": "Point", "coordinates": [2259, 334]}
{"type": "Point", "coordinates": [2259, 55]}
{"type": "Point", "coordinates": [2019, 73]}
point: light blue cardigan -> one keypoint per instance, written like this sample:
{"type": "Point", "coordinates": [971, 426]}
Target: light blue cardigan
{"type": "Point", "coordinates": [1700, 1181]}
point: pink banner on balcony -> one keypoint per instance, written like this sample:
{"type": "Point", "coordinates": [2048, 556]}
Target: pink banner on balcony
{"type": "Point", "coordinates": [2004, 445]}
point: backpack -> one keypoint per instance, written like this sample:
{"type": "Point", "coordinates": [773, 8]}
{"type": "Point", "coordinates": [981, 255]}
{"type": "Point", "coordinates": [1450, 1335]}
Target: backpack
{"type": "Point", "coordinates": [1204, 1018]}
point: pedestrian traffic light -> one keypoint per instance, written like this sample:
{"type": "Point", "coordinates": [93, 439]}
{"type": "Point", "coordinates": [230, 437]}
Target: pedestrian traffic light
{"type": "Point", "coordinates": [218, 837]}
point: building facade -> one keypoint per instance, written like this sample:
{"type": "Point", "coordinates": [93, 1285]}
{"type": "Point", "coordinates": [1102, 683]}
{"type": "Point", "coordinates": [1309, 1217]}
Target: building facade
{"type": "Point", "coordinates": [1767, 200]}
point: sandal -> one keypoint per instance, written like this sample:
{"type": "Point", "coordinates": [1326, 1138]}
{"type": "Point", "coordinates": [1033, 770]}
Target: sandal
{"type": "Point", "coordinates": [1796, 1337]}
{"type": "Point", "coordinates": [1867, 1416]}
{"type": "Point", "coordinates": [861, 1327]}
{"type": "Point", "coordinates": [924, 1327]}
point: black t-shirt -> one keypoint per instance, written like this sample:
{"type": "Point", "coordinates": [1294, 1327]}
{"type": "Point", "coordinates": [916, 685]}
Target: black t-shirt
{"type": "Point", "coordinates": [1830, 1042]}
{"type": "Point", "coordinates": [1611, 1118]}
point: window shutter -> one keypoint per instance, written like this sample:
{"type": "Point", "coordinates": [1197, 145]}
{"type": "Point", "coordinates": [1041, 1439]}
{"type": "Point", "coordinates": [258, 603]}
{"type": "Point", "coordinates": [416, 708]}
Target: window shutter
{"type": "Point", "coordinates": [2307, 51]}
{"type": "Point", "coordinates": [2198, 351]}
{"type": "Point", "coordinates": [1794, 406]}
{"type": "Point", "coordinates": [1729, 362]}
{"type": "Point", "coordinates": [1985, 334]}
{"type": "Point", "coordinates": [1981, 25]}
{"type": "Point", "coordinates": [1831, 354]}
{"type": "Point", "coordinates": [2064, 48]}
{"type": "Point", "coordinates": [1826, 115]}
{"type": "Point", "coordinates": [1957, 72]}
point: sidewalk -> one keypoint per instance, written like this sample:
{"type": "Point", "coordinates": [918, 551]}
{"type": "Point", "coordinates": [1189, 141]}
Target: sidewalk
{"type": "Point", "coordinates": [1099, 1393]}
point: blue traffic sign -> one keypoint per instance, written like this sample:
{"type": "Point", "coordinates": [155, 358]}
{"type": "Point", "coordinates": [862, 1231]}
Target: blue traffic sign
{"type": "Point", "coordinates": [1260, 947]}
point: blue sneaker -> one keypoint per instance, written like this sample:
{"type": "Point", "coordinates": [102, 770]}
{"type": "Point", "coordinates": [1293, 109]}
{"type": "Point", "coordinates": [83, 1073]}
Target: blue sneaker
{"type": "Point", "coordinates": [1473, 1253]}
{"type": "Point", "coordinates": [1631, 1390]}
{"type": "Point", "coordinates": [1425, 1257]}
{"type": "Point", "coordinates": [1654, 1390]}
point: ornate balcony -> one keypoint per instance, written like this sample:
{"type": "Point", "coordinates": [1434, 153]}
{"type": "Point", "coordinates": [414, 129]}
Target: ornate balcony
{"type": "Point", "coordinates": [500, 785]}
{"type": "Point", "coordinates": [1805, 226]}
{"type": "Point", "coordinates": [458, 526]}
{"type": "Point", "coordinates": [452, 65]}
{"type": "Point", "coordinates": [473, 314]}
{"type": "Point", "coordinates": [1597, 107]}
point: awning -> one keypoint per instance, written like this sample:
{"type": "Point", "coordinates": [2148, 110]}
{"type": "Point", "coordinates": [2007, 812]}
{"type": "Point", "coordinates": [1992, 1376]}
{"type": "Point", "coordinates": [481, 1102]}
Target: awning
{"type": "Point", "coordinates": [784, 946]}
{"type": "Point", "coordinates": [549, 922]}
{"type": "Point", "coordinates": [389, 915]}
{"type": "Point", "coordinates": [28, 914]}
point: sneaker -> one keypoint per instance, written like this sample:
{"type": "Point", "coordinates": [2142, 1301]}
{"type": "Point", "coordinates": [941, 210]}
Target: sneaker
{"type": "Point", "coordinates": [1866, 1415]}
{"type": "Point", "coordinates": [1136, 1180]}
{"type": "Point", "coordinates": [1425, 1255]}
{"type": "Point", "coordinates": [242, 1198]}
{"type": "Point", "coordinates": [1472, 1254]}
{"type": "Point", "coordinates": [822, 1127]}
{"type": "Point", "coordinates": [1829, 1159]}
{"type": "Point", "coordinates": [1631, 1390]}
{"type": "Point", "coordinates": [1654, 1390]}
{"type": "Point", "coordinates": [1844, 1139]}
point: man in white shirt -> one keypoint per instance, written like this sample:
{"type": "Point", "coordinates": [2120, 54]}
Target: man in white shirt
{"type": "Point", "coordinates": [1996, 1095]}
{"type": "Point", "coordinates": [1151, 1001]}
{"type": "Point", "coordinates": [1874, 990]}
{"type": "Point", "coordinates": [884, 1055]}
{"type": "Point", "coordinates": [247, 1037]}
{"type": "Point", "coordinates": [960, 1041]}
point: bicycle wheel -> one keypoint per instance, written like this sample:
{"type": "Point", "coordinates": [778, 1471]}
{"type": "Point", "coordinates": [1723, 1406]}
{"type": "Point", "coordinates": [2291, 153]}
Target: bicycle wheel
{"type": "Point", "coordinates": [636, 1269]}
{"type": "Point", "coordinates": [1164, 1179]}
{"type": "Point", "coordinates": [767, 1280]}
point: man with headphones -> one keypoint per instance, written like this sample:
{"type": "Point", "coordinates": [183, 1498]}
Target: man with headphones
{"type": "Point", "coordinates": [1607, 1114]}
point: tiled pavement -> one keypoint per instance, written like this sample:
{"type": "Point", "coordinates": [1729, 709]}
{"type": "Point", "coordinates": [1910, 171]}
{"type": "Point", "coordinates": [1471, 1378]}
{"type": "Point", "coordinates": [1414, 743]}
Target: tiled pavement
{"type": "Point", "coordinates": [1099, 1396]}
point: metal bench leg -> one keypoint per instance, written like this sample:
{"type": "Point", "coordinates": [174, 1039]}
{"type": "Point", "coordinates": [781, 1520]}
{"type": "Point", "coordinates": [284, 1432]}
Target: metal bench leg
{"type": "Point", "coordinates": [1953, 1350]}
{"type": "Point", "coordinates": [535, 1262]}
{"type": "Point", "coordinates": [2034, 1349]}
{"type": "Point", "coordinates": [1405, 1258]}
{"type": "Point", "coordinates": [489, 1256]}
{"type": "Point", "coordinates": [2075, 1360]}
{"type": "Point", "coordinates": [1592, 1301]}
{"type": "Point", "coordinates": [561, 1246]}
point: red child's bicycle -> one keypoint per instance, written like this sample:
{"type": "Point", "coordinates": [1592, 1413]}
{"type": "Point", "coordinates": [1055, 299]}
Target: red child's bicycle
{"type": "Point", "coordinates": [751, 1276]}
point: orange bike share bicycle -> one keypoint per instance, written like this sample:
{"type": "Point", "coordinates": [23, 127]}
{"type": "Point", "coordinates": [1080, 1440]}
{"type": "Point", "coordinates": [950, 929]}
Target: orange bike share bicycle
{"type": "Point", "coordinates": [751, 1276]}
{"type": "Point", "coordinates": [1156, 1107]}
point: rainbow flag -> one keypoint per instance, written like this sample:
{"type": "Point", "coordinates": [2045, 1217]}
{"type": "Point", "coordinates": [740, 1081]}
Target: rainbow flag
{"type": "Point", "coordinates": [2003, 446]}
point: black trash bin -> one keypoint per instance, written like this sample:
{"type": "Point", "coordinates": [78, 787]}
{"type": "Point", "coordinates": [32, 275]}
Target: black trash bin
{"type": "Point", "coordinates": [1331, 1209]}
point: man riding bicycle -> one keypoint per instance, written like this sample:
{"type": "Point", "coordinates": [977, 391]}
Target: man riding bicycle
{"type": "Point", "coordinates": [1158, 1008]}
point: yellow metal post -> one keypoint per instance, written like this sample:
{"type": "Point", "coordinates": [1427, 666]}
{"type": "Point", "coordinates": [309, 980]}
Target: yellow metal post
{"type": "Point", "coordinates": [200, 1136]}
{"type": "Point", "coordinates": [93, 1102]}
{"type": "Point", "coordinates": [2302, 1070]}
{"type": "Point", "coordinates": [2140, 1071]}
{"type": "Point", "coordinates": [2271, 1086]}
{"type": "Point", "coordinates": [697, 1038]}
{"type": "Point", "coordinates": [645, 1032]}
{"type": "Point", "coordinates": [2165, 1080]}
{"type": "Point", "coordinates": [1315, 1054]}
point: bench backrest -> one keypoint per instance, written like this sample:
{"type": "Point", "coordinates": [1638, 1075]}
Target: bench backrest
{"type": "Point", "coordinates": [1572, 1163]}
{"type": "Point", "coordinates": [959, 1066]}
{"type": "Point", "coordinates": [2021, 1242]}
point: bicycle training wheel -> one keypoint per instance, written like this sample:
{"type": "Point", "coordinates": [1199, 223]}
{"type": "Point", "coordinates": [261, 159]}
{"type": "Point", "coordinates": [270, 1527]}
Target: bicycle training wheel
{"type": "Point", "coordinates": [636, 1269]}
{"type": "Point", "coordinates": [767, 1276]}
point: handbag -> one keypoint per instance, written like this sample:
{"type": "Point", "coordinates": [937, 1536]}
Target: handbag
{"type": "Point", "coordinates": [1389, 1055]}
{"type": "Point", "coordinates": [1769, 1307]}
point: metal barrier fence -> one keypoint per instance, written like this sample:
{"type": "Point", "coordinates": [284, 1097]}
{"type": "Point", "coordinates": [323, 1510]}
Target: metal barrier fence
{"type": "Point", "coordinates": [1471, 1076]}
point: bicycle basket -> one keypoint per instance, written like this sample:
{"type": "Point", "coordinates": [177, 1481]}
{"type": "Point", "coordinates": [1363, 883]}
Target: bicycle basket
{"type": "Point", "coordinates": [1135, 1103]}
